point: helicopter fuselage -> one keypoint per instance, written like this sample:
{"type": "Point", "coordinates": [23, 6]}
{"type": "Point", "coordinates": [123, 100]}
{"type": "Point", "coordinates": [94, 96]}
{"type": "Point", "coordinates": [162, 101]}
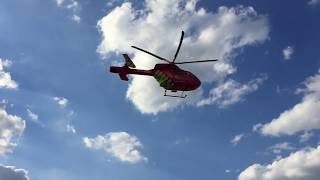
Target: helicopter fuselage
{"type": "Point", "coordinates": [169, 76]}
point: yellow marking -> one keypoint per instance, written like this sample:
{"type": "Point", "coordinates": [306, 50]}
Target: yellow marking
{"type": "Point", "coordinates": [159, 76]}
{"type": "Point", "coordinates": [163, 79]}
{"type": "Point", "coordinates": [156, 74]}
{"type": "Point", "coordinates": [168, 84]}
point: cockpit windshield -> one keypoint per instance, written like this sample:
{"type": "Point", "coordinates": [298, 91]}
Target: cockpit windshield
{"type": "Point", "coordinates": [191, 75]}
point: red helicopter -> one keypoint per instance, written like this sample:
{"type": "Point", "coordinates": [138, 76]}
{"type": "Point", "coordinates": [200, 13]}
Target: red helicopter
{"type": "Point", "coordinates": [169, 75]}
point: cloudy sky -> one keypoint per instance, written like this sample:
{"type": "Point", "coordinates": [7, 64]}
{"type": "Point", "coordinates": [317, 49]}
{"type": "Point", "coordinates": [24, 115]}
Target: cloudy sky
{"type": "Point", "coordinates": [64, 116]}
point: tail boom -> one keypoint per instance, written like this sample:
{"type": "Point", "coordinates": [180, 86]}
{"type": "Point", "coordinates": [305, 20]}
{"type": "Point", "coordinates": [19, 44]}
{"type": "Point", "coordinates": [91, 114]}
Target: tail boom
{"type": "Point", "coordinates": [124, 71]}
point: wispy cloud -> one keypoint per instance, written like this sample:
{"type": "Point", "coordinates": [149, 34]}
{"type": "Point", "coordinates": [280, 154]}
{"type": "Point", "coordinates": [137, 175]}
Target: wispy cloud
{"type": "Point", "coordinates": [278, 148]}
{"type": "Point", "coordinates": [71, 129]}
{"type": "Point", "coordinates": [236, 139]}
{"type": "Point", "coordinates": [305, 136]}
{"type": "Point", "coordinates": [314, 2]}
{"type": "Point", "coordinates": [34, 117]}
{"type": "Point", "coordinates": [229, 171]}
{"type": "Point", "coordinates": [182, 141]}
{"type": "Point", "coordinates": [111, 3]}
{"type": "Point", "coordinates": [61, 101]}
{"type": "Point", "coordinates": [71, 5]}
{"type": "Point", "coordinates": [231, 92]}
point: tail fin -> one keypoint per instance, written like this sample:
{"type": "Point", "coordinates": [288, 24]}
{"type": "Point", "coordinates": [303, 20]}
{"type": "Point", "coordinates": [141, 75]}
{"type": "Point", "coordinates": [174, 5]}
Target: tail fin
{"type": "Point", "coordinates": [129, 62]}
{"type": "Point", "coordinates": [123, 71]}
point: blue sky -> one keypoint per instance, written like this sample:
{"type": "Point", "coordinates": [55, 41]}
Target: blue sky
{"type": "Point", "coordinates": [64, 116]}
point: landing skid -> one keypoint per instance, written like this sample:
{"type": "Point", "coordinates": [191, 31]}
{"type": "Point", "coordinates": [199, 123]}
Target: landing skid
{"type": "Point", "coordinates": [182, 95]}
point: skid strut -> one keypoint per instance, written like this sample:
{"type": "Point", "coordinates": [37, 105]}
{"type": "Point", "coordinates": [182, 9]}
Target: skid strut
{"type": "Point", "coordinates": [182, 95]}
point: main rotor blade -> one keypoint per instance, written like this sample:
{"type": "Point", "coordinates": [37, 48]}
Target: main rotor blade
{"type": "Point", "coordinates": [181, 39]}
{"type": "Point", "coordinates": [186, 62]}
{"type": "Point", "coordinates": [161, 58]}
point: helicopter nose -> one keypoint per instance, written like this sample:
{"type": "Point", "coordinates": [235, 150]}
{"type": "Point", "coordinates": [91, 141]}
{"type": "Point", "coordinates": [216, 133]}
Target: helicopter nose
{"type": "Point", "coordinates": [197, 83]}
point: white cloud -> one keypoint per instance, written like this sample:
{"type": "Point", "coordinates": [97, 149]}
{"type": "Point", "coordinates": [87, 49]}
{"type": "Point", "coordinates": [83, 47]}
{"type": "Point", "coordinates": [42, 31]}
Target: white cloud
{"type": "Point", "coordinates": [303, 116]}
{"type": "Point", "coordinates": [11, 128]}
{"type": "Point", "coordinates": [62, 102]}
{"type": "Point", "coordinates": [257, 127]}
{"type": "Point", "coordinates": [313, 2]}
{"type": "Point", "coordinates": [73, 6]}
{"type": "Point", "coordinates": [4, 103]}
{"type": "Point", "coordinates": [11, 173]}
{"type": "Point", "coordinates": [65, 123]}
{"type": "Point", "coordinates": [69, 4]}
{"type": "Point", "coordinates": [5, 77]}
{"type": "Point", "coordinates": [59, 2]}
{"type": "Point", "coordinates": [111, 2]}
{"type": "Point", "coordinates": [208, 35]}
{"type": "Point", "coordinates": [229, 171]}
{"type": "Point", "coordinates": [278, 148]}
{"type": "Point", "coordinates": [76, 18]}
{"type": "Point", "coordinates": [230, 92]}
{"type": "Point", "coordinates": [303, 164]}
{"type": "Point", "coordinates": [120, 145]}
{"type": "Point", "coordinates": [305, 136]}
{"type": "Point", "coordinates": [182, 141]}
{"type": "Point", "coordinates": [236, 139]}
{"type": "Point", "coordinates": [287, 52]}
